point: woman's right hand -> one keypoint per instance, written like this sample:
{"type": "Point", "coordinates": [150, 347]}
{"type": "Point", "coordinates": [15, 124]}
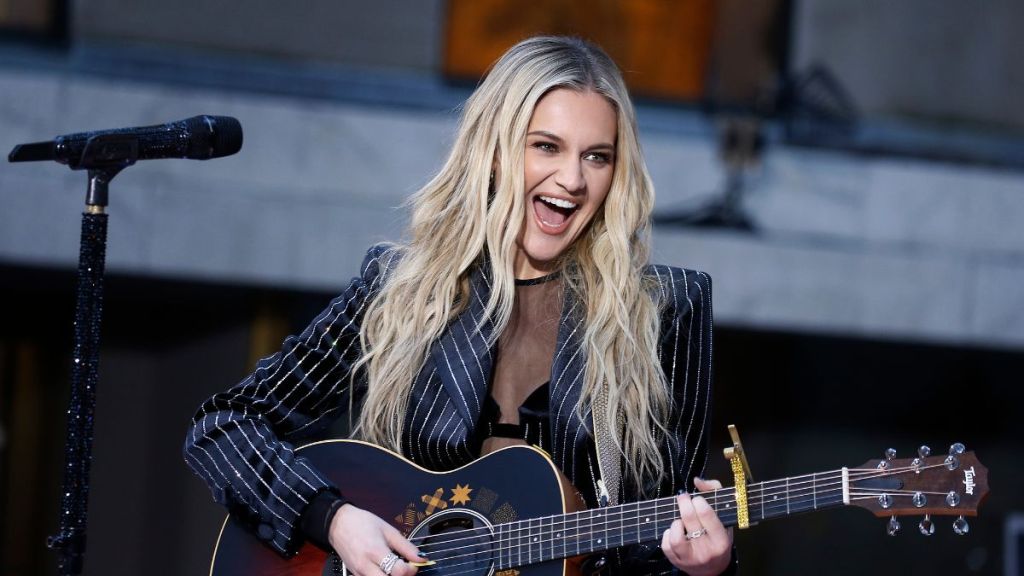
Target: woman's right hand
{"type": "Point", "coordinates": [363, 540]}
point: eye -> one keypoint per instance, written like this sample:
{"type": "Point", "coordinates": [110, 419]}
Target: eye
{"type": "Point", "coordinates": [545, 146]}
{"type": "Point", "coordinates": [598, 157]}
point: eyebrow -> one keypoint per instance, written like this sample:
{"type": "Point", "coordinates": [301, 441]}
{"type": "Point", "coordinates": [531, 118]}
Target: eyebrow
{"type": "Point", "coordinates": [557, 138]}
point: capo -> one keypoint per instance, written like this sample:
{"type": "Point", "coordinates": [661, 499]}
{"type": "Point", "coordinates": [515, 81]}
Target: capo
{"type": "Point", "coordinates": [741, 474]}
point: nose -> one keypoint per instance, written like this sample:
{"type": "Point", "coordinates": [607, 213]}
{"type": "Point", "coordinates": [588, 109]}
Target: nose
{"type": "Point", "coordinates": [570, 175]}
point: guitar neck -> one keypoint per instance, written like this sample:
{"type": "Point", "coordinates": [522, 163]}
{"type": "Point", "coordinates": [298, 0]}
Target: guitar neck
{"type": "Point", "coordinates": [566, 535]}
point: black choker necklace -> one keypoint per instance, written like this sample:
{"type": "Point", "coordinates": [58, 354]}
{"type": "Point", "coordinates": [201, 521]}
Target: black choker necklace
{"type": "Point", "coordinates": [534, 281]}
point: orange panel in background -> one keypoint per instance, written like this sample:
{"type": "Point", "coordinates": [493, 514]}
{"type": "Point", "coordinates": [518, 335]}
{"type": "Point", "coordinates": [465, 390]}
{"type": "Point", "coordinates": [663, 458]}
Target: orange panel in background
{"type": "Point", "coordinates": [26, 15]}
{"type": "Point", "coordinates": [662, 46]}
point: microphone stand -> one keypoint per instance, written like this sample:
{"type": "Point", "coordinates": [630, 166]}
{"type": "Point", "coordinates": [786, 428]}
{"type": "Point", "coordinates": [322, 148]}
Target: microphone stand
{"type": "Point", "coordinates": [104, 157]}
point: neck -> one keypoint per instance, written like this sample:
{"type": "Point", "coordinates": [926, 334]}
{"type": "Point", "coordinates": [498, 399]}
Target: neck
{"type": "Point", "coordinates": [562, 536]}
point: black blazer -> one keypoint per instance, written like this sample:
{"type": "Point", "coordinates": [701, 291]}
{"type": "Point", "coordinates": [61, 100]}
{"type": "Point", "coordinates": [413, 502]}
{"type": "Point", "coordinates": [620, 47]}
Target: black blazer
{"type": "Point", "coordinates": [240, 440]}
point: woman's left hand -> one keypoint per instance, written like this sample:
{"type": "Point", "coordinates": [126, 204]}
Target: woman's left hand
{"type": "Point", "coordinates": [697, 543]}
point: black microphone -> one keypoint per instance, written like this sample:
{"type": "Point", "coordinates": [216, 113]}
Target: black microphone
{"type": "Point", "coordinates": [198, 138]}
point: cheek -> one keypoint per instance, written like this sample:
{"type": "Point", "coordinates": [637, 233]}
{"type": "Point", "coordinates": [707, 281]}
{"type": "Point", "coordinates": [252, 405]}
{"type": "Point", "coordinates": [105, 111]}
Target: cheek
{"type": "Point", "coordinates": [601, 185]}
{"type": "Point", "coordinates": [533, 174]}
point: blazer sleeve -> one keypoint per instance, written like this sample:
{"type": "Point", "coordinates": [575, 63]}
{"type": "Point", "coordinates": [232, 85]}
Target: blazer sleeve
{"type": "Point", "coordinates": [240, 441]}
{"type": "Point", "coordinates": [686, 354]}
{"type": "Point", "coordinates": [685, 351]}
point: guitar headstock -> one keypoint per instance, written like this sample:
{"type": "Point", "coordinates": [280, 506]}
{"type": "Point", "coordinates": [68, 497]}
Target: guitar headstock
{"type": "Point", "coordinates": [954, 484]}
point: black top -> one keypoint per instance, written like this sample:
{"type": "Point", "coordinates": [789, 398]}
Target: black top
{"type": "Point", "coordinates": [534, 424]}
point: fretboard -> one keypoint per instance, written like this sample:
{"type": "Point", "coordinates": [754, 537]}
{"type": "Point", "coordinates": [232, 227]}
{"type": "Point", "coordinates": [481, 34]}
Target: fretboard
{"type": "Point", "coordinates": [566, 535]}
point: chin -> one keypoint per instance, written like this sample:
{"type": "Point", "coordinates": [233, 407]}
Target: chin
{"type": "Point", "coordinates": [543, 255]}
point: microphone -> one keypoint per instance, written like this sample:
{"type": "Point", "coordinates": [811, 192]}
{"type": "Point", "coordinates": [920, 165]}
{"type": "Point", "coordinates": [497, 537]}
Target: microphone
{"type": "Point", "coordinates": [197, 138]}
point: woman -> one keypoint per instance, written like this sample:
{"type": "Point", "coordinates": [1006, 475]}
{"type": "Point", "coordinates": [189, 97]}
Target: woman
{"type": "Point", "coordinates": [522, 310]}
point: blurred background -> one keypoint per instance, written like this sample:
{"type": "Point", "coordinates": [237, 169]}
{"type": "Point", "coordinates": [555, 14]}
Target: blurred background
{"type": "Point", "coordinates": [851, 174]}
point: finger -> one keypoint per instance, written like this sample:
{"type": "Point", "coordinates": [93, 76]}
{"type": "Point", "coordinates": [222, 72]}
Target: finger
{"type": "Point", "coordinates": [373, 566]}
{"type": "Point", "coordinates": [401, 545]}
{"type": "Point", "coordinates": [666, 546]}
{"type": "Point", "coordinates": [709, 484]}
{"type": "Point", "coordinates": [403, 568]}
{"type": "Point", "coordinates": [687, 513]}
{"type": "Point", "coordinates": [370, 566]}
{"type": "Point", "coordinates": [709, 520]}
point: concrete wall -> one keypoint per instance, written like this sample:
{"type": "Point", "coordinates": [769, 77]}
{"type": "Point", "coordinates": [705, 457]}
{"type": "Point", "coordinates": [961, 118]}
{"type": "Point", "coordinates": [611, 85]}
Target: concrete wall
{"type": "Point", "coordinates": [852, 245]}
{"type": "Point", "coordinates": [942, 59]}
{"type": "Point", "coordinates": [388, 33]}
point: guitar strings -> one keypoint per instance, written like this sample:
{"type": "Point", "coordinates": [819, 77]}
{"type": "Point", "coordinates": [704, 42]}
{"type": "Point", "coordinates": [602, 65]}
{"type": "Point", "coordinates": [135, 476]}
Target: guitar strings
{"type": "Point", "coordinates": [539, 543]}
{"type": "Point", "coordinates": [658, 506]}
{"type": "Point", "coordinates": [622, 511]}
{"type": "Point", "coordinates": [499, 554]}
{"type": "Point", "coordinates": [622, 528]}
{"type": "Point", "coordinates": [710, 495]}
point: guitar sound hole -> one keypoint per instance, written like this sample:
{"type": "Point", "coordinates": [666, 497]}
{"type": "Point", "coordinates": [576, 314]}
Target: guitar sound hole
{"type": "Point", "coordinates": [459, 541]}
{"type": "Point", "coordinates": [448, 525]}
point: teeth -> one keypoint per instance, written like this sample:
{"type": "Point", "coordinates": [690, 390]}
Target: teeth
{"type": "Point", "coordinates": [558, 202]}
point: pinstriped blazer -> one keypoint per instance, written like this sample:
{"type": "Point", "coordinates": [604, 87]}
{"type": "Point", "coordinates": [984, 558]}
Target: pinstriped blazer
{"type": "Point", "coordinates": [240, 441]}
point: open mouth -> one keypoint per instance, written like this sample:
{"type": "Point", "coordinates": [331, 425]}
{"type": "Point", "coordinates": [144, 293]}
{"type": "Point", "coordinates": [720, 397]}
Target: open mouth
{"type": "Point", "coordinates": [553, 214]}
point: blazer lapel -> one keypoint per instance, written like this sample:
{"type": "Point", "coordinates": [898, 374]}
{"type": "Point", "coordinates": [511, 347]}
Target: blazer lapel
{"type": "Point", "coordinates": [462, 357]}
{"type": "Point", "coordinates": [570, 433]}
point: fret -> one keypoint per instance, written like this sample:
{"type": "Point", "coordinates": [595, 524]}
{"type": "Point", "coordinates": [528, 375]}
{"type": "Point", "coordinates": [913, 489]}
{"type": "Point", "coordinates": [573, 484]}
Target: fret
{"type": "Point", "coordinates": [519, 546]}
{"type": "Point", "coordinates": [551, 540]}
{"type": "Point", "coordinates": [764, 489]}
{"type": "Point", "coordinates": [622, 525]}
{"type": "Point", "coordinates": [814, 490]}
{"type": "Point", "coordinates": [529, 541]}
{"type": "Point", "coordinates": [773, 502]}
{"type": "Point", "coordinates": [501, 546]}
{"type": "Point", "coordinates": [787, 496]}
{"type": "Point", "coordinates": [497, 540]}
{"type": "Point", "coordinates": [577, 534]}
{"type": "Point", "coordinates": [639, 525]}
{"type": "Point", "coordinates": [563, 535]}
{"type": "Point", "coordinates": [591, 535]}
{"type": "Point", "coordinates": [584, 531]}
{"type": "Point", "coordinates": [538, 540]}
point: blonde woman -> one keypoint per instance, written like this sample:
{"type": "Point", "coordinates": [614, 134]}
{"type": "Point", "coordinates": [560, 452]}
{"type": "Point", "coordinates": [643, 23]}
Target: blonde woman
{"type": "Point", "coordinates": [522, 309]}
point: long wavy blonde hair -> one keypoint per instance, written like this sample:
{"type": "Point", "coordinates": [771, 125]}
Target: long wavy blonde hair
{"type": "Point", "coordinates": [459, 217]}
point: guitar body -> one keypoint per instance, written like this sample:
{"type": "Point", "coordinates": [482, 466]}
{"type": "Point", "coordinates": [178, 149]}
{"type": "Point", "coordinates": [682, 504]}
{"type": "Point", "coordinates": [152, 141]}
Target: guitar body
{"type": "Point", "coordinates": [514, 483]}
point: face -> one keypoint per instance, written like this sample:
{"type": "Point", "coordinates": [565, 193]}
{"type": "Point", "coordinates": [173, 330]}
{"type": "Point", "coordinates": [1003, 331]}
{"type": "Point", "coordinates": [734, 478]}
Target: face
{"type": "Point", "coordinates": [569, 160]}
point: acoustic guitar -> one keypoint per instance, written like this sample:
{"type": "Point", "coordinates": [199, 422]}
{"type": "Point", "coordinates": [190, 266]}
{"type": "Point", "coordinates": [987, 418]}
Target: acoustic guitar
{"type": "Point", "coordinates": [509, 514]}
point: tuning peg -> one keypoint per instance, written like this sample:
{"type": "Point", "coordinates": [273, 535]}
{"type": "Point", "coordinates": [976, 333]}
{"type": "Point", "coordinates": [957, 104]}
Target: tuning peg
{"type": "Point", "coordinates": [953, 499]}
{"type": "Point", "coordinates": [924, 451]}
{"type": "Point", "coordinates": [960, 526]}
{"type": "Point", "coordinates": [890, 453]}
{"type": "Point", "coordinates": [893, 526]}
{"type": "Point", "coordinates": [956, 448]}
{"type": "Point", "coordinates": [927, 527]}
{"type": "Point", "coordinates": [952, 462]}
{"type": "Point", "coordinates": [919, 499]}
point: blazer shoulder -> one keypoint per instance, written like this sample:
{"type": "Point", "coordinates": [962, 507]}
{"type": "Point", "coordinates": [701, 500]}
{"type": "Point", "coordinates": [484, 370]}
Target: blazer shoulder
{"type": "Point", "coordinates": [380, 259]}
{"type": "Point", "coordinates": [680, 281]}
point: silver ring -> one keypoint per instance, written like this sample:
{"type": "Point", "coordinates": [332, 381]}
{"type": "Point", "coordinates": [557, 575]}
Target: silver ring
{"type": "Point", "coordinates": [387, 564]}
{"type": "Point", "coordinates": [696, 533]}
